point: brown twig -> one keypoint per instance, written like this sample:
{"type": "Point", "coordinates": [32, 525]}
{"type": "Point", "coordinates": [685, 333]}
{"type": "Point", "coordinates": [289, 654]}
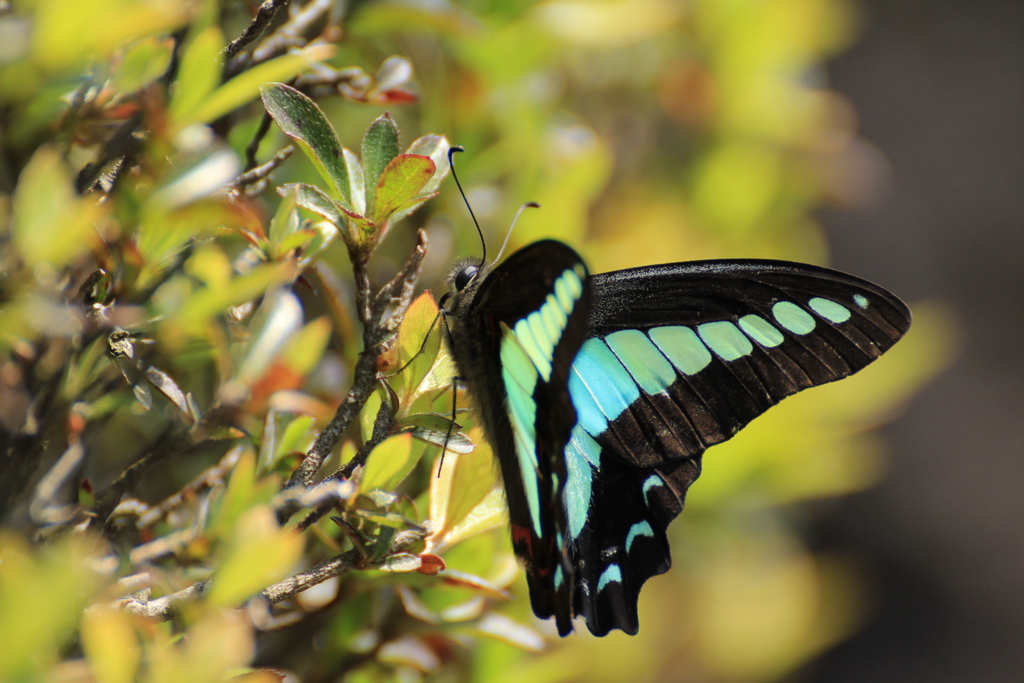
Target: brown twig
{"type": "Point", "coordinates": [163, 609]}
{"type": "Point", "coordinates": [264, 15]}
{"type": "Point", "coordinates": [382, 429]}
{"type": "Point", "coordinates": [397, 294]}
{"type": "Point", "coordinates": [262, 172]}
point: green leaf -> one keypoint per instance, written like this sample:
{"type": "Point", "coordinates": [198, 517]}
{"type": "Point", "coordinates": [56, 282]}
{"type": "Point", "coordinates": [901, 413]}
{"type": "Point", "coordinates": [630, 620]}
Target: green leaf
{"type": "Point", "coordinates": [304, 351]}
{"type": "Point", "coordinates": [314, 199]}
{"type": "Point", "coordinates": [285, 221]}
{"type": "Point", "coordinates": [356, 182]}
{"type": "Point", "coordinates": [111, 644]}
{"type": "Point", "coordinates": [473, 476]}
{"type": "Point", "coordinates": [297, 437]}
{"type": "Point", "coordinates": [419, 343]}
{"type": "Point", "coordinates": [401, 181]}
{"type": "Point", "coordinates": [389, 463]}
{"type": "Point", "coordinates": [465, 498]}
{"type": "Point", "coordinates": [401, 562]}
{"type": "Point", "coordinates": [303, 121]}
{"type": "Point", "coordinates": [380, 146]}
{"type": "Point", "coordinates": [405, 209]}
{"type": "Point", "coordinates": [282, 321]}
{"type": "Point", "coordinates": [436, 147]}
{"type": "Point", "coordinates": [52, 224]}
{"type": "Point", "coordinates": [257, 554]}
{"type": "Point", "coordinates": [43, 592]}
{"type": "Point", "coordinates": [209, 302]}
{"type": "Point", "coordinates": [433, 428]}
{"type": "Point", "coordinates": [198, 73]}
{"type": "Point", "coordinates": [245, 87]}
{"type": "Point", "coordinates": [69, 34]}
{"type": "Point", "coordinates": [142, 63]}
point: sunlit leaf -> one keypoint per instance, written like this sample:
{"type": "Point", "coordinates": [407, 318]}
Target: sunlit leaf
{"type": "Point", "coordinates": [168, 387]}
{"type": "Point", "coordinates": [282, 322]}
{"type": "Point", "coordinates": [111, 645]}
{"type": "Point", "coordinates": [142, 63]}
{"type": "Point", "coordinates": [303, 121]}
{"type": "Point", "coordinates": [214, 648]}
{"type": "Point", "coordinates": [285, 221]}
{"type": "Point", "coordinates": [380, 146]}
{"type": "Point", "coordinates": [69, 33]}
{"type": "Point", "coordinates": [436, 147]}
{"type": "Point", "coordinates": [258, 552]}
{"type": "Point", "coordinates": [209, 302]}
{"type": "Point", "coordinates": [402, 180]}
{"type": "Point", "coordinates": [52, 224]}
{"type": "Point", "coordinates": [438, 430]}
{"type": "Point", "coordinates": [513, 632]}
{"type": "Point", "coordinates": [42, 594]}
{"type": "Point", "coordinates": [200, 70]}
{"type": "Point", "coordinates": [245, 87]}
{"type": "Point", "coordinates": [390, 462]}
{"type": "Point", "coordinates": [401, 562]}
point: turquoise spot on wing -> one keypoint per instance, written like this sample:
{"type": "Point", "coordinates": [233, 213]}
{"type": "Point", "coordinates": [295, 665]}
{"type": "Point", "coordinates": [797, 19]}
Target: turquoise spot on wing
{"type": "Point", "coordinates": [523, 334]}
{"type": "Point", "coordinates": [526, 449]}
{"type": "Point", "coordinates": [643, 360]}
{"type": "Point", "coordinates": [725, 339]}
{"type": "Point", "coordinates": [860, 300]}
{"type": "Point", "coordinates": [568, 289]}
{"type": "Point", "coordinates": [516, 364]}
{"type": "Point", "coordinates": [600, 387]}
{"type": "Point", "coordinates": [520, 378]}
{"type": "Point", "coordinates": [539, 332]}
{"type": "Point", "coordinates": [582, 454]}
{"type": "Point", "coordinates": [638, 529]}
{"type": "Point", "coordinates": [793, 318]}
{"type": "Point", "coordinates": [829, 310]}
{"type": "Point", "coordinates": [554, 317]}
{"type": "Point", "coordinates": [649, 483]}
{"type": "Point", "coordinates": [559, 576]}
{"type": "Point", "coordinates": [761, 331]}
{"type": "Point", "coordinates": [521, 406]}
{"type": "Point", "coordinates": [574, 279]}
{"type": "Point", "coordinates": [683, 347]}
{"type": "Point", "coordinates": [609, 575]}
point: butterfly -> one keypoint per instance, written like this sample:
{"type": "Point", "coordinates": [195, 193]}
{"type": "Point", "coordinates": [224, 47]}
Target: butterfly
{"type": "Point", "coordinates": [599, 393]}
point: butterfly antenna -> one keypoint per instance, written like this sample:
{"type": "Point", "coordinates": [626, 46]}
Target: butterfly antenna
{"type": "Point", "coordinates": [508, 235]}
{"type": "Point", "coordinates": [451, 164]}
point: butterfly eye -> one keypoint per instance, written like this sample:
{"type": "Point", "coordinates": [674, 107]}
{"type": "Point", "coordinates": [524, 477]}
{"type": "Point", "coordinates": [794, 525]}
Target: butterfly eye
{"type": "Point", "coordinates": [465, 276]}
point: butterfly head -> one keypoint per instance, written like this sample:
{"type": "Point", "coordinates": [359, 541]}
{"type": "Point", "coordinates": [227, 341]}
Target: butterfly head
{"type": "Point", "coordinates": [463, 281]}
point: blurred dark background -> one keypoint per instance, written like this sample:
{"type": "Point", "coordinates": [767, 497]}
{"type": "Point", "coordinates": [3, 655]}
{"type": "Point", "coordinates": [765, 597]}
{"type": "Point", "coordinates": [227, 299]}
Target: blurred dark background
{"type": "Point", "coordinates": [939, 88]}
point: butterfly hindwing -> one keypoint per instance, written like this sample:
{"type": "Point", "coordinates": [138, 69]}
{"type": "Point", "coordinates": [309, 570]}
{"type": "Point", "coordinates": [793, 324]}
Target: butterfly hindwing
{"type": "Point", "coordinates": [678, 358]}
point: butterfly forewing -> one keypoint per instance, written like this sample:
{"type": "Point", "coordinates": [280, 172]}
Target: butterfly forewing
{"type": "Point", "coordinates": [514, 335]}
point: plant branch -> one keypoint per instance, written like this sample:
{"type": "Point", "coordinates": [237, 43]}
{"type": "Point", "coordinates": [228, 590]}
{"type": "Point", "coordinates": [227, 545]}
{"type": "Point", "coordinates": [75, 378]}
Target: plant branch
{"type": "Point", "coordinates": [264, 15]}
{"type": "Point", "coordinates": [164, 609]}
{"type": "Point", "coordinates": [376, 330]}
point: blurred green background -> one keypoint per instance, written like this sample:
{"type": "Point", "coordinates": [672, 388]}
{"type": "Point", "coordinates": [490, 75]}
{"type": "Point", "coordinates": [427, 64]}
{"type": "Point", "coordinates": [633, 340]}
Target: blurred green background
{"type": "Point", "coordinates": [825, 542]}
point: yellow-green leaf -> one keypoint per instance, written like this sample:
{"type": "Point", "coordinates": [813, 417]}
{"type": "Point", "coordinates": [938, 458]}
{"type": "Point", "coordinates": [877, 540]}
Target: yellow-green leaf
{"type": "Point", "coordinates": [258, 553]}
{"type": "Point", "coordinates": [389, 463]}
{"type": "Point", "coordinates": [52, 224]}
{"type": "Point", "coordinates": [111, 645]}
{"type": "Point", "coordinates": [401, 181]}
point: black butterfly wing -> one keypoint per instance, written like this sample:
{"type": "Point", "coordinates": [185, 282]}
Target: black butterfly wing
{"type": "Point", "coordinates": [514, 335]}
{"type": "Point", "coordinates": [680, 357]}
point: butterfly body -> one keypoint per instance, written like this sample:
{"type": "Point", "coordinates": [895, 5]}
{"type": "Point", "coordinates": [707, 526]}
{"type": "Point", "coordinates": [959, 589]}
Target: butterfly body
{"type": "Point", "coordinates": [599, 393]}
